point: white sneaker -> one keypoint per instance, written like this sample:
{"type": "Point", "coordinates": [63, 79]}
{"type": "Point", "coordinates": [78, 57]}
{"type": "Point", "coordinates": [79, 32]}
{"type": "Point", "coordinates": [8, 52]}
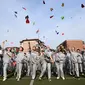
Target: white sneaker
{"type": "Point", "coordinates": [71, 74]}
{"type": "Point", "coordinates": [39, 78]}
{"type": "Point", "coordinates": [49, 79]}
{"type": "Point", "coordinates": [18, 79]}
{"type": "Point", "coordinates": [58, 77]}
{"type": "Point", "coordinates": [4, 79]}
{"type": "Point", "coordinates": [63, 78]}
{"type": "Point", "coordinates": [82, 74]}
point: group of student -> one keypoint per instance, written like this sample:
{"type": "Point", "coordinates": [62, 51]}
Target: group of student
{"type": "Point", "coordinates": [64, 61]}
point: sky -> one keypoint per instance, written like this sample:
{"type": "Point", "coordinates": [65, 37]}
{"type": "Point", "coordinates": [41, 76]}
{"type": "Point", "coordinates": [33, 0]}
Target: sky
{"type": "Point", "coordinates": [73, 24]}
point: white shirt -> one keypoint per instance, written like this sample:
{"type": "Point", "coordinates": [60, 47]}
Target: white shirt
{"type": "Point", "coordinates": [79, 58]}
{"type": "Point", "coordinates": [42, 59]}
{"type": "Point", "coordinates": [60, 57]}
{"type": "Point", "coordinates": [33, 58]}
{"type": "Point", "coordinates": [6, 58]}
{"type": "Point", "coordinates": [74, 57]}
{"type": "Point", "coordinates": [20, 57]}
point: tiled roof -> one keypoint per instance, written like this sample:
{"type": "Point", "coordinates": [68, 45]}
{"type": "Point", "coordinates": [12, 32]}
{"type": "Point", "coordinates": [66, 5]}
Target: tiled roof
{"type": "Point", "coordinates": [31, 40]}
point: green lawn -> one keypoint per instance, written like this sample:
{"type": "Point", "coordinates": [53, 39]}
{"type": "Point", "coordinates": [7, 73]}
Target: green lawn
{"type": "Point", "coordinates": [26, 81]}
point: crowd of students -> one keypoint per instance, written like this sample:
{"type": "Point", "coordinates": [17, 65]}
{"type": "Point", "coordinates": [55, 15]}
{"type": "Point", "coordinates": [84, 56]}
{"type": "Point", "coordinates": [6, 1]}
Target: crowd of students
{"type": "Point", "coordinates": [60, 62]}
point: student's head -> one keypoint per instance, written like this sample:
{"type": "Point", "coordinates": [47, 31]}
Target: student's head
{"type": "Point", "coordinates": [42, 50]}
{"type": "Point", "coordinates": [59, 49]}
{"type": "Point", "coordinates": [73, 49]}
{"type": "Point", "coordinates": [13, 54]}
{"type": "Point", "coordinates": [48, 48]}
{"type": "Point", "coordinates": [9, 49]}
{"type": "Point", "coordinates": [12, 49]}
{"type": "Point", "coordinates": [61, 46]}
{"type": "Point", "coordinates": [34, 48]}
{"type": "Point", "coordinates": [21, 49]}
{"type": "Point", "coordinates": [78, 50]}
{"type": "Point", "coordinates": [24, 53]}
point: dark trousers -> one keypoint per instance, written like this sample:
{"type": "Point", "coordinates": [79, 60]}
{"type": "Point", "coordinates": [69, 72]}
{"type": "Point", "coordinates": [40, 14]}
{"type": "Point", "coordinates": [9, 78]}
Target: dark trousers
{"type": "Point", "coordinates": [1, 65]}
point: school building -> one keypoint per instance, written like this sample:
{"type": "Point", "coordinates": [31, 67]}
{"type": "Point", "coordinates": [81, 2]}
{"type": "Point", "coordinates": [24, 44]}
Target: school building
{"type": "Point", "coordinates": [27, 44]}
{"type": "Point", "coordinates": [78, 44]}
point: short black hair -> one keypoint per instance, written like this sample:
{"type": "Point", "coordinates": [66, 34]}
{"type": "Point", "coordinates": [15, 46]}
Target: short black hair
{"type": "Point", "coordinates": [78, 50]}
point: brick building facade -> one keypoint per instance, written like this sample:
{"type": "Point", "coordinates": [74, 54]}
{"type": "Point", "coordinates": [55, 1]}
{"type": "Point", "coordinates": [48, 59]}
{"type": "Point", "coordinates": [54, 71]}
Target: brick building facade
{"type": "Point", "coordinates": [29, 43]}
{"type": "Point", "coordinates": [78, 44]}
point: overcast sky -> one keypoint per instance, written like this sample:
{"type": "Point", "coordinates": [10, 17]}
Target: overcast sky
{"type": "Point", "coordinates": [73, 25]}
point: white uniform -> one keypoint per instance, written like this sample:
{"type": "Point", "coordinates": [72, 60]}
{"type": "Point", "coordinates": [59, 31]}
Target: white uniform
{"type": "Point", "coordinates": [33, 62]}
{"type": "Point", "coordinates": [6, 61]}
{"type": "Point", "coordinates": [28, 63]}
{"type": "Point", "coordinates": [43, 65]}
{"type": "Point", "coordinates": [19, 59]}
{"type": "Point", "coordinates": [79, 59]}
{"type": "Point", "coordinates": [75, 63]}
{"type": "Point", "coordinates": [59, 62]}
{"type": "Point", "coordinates": [69, 62]}
{"type": "Point", "coordinates": [38, 63]}
{"type": "Point", "coordinates": [48, 61]}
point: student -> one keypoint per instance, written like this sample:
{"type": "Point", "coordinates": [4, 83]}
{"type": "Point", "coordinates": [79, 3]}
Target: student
{"type": "Point", "coordinates": [6, 60]}
{"type": "Point", "coordinates": [49, 61]}
{"type": "Point", "coordinates": [74, 55]}
{"type": "Point", "coordinates": [19, 59]}
{"type": "Point", "coordinates": [59, 62]}
{"type": "Point", "coordinates": [46, 60]}
{"type": "Point", "coordinates": [33, 62]}
{"type": "Point", "coordinates": [79, 59]}
{"type": "Point", "coordinates": [43, 64]}
{"type": "Point", "coordinates": [68, 59]}
{"type": "Point", "coordinates": [28, 63]}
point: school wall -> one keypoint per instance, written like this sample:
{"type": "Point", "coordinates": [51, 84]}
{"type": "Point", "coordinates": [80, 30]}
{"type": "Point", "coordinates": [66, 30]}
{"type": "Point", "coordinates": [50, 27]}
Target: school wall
{"type": "Point", "coordinates": [25, 45]}
{"type": "Point", "coordinates": [78, 44]}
